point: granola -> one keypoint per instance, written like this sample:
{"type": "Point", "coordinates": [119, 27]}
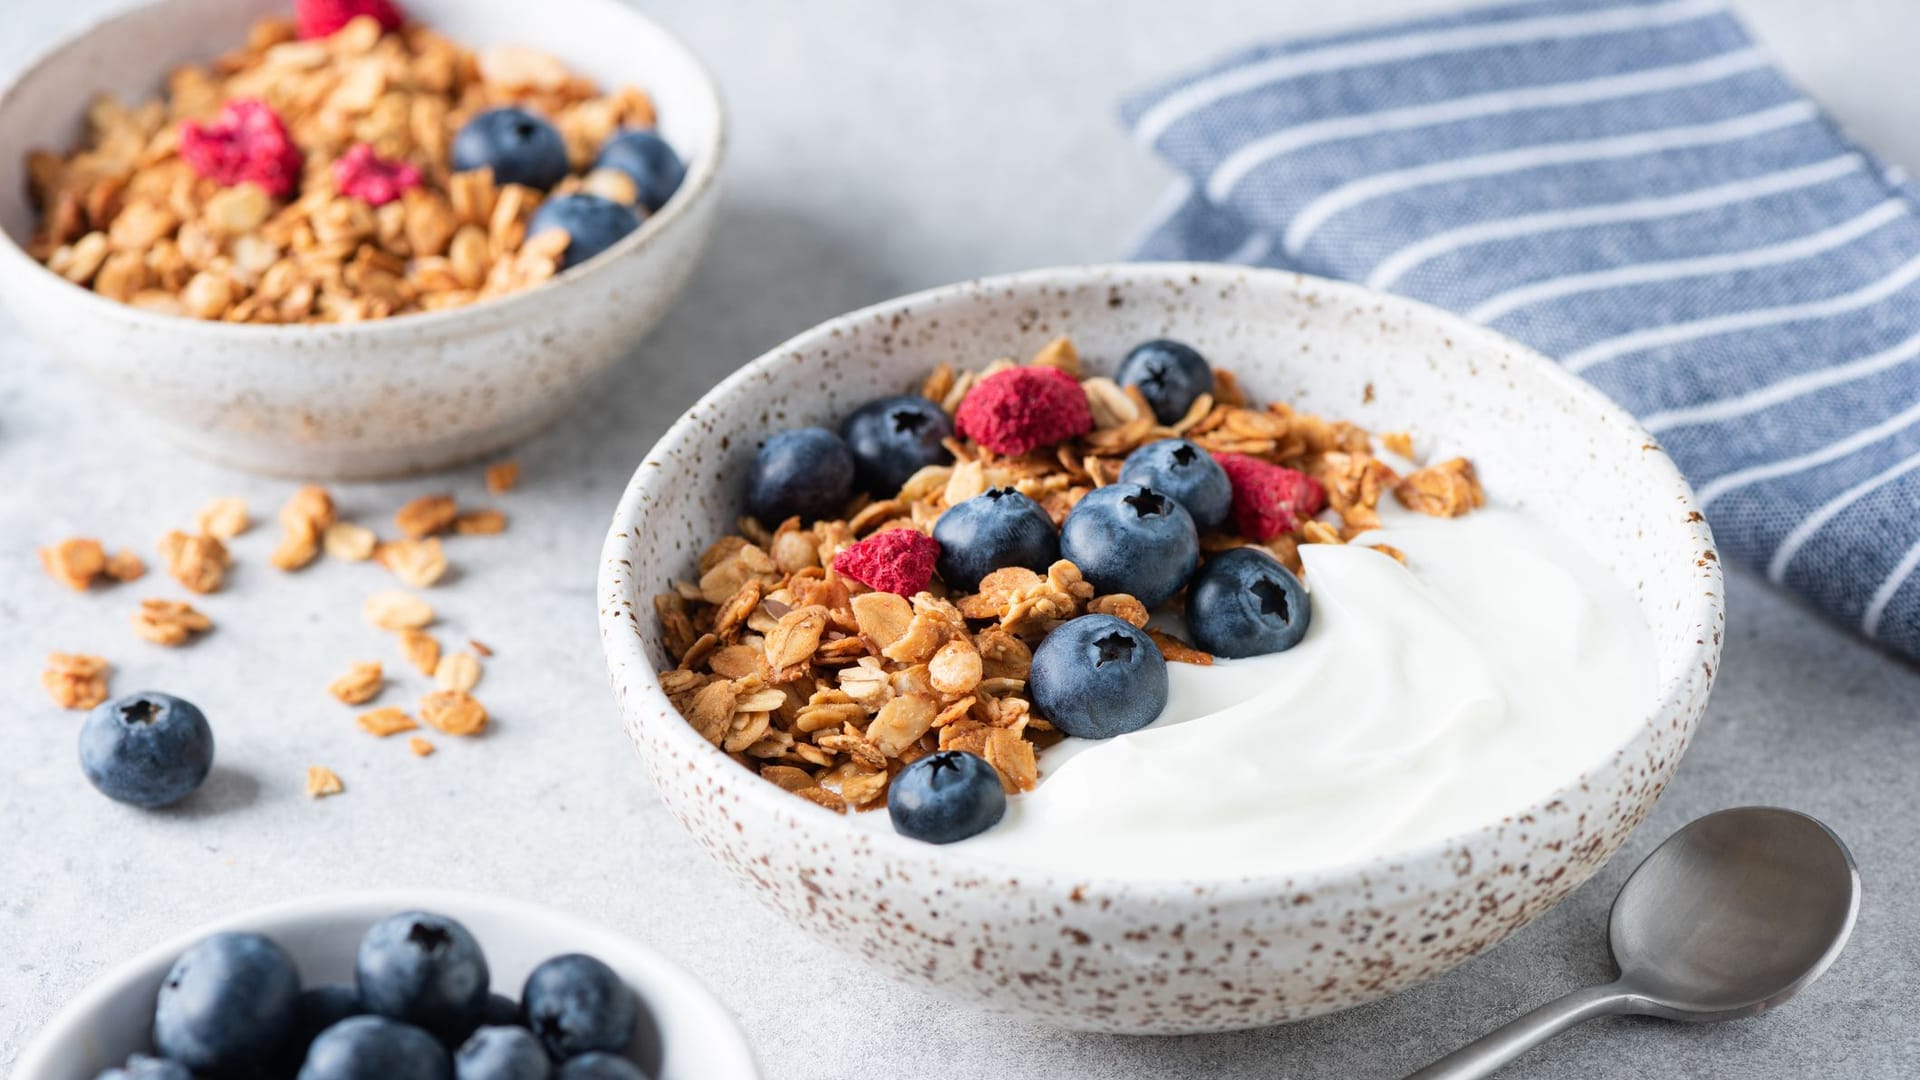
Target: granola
{"type": "Point", "coordinates": [75, 681]}
{"type": "Point", "coordinates": [169, 622]}
{"type": "Point", "coordinates": [361, 215]}
{"type": "Point", "coordinates": [827, 688]}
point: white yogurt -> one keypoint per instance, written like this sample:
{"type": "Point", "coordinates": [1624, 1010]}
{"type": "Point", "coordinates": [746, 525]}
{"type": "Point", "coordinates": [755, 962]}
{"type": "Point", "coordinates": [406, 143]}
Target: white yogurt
{"type": "Point", "coordinates": [1425, 701]}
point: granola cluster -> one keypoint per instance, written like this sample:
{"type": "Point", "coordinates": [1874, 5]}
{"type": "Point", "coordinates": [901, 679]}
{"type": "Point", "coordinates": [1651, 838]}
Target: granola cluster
{"type": "Point", "coordinates": [310, 525]}
{"type": "Point", "coordinates": [372, 222]}
{"type": "Point", "coordinates": [827, 688]}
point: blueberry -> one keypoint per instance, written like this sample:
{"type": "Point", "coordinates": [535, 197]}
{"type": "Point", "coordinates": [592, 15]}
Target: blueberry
{"type": "Point", "coordinates": [502, 1053]}
{"type": "Point", "coordinates": [575, 1003]}
{"type": "Point", "coordinates": [1131, 539]}
{"type": "Point", "coordinates": [946, 796]}
{"type": "Point", "coordinates": [314, 1011]}
{"type": "Point", "coordinates": [987, 532]}
{"type": "Point", "coordinates": [142, 1067]}
{"type": "Point", "coordinates": [148, 749]}
{"type": "Point", "coordinates": [593, 225]}
{"type": "Point", "coordinates": [1244, 603]}
{"type": "Point", "coordinates": [1178, 468]}
{"type": "Point", "coordinates": [1097, 676]}
{"type": "Point", "coordinates": [600, 1066]}
{"type": "Point", "coordinates": [520, 147]}
{"type": "Point", "coordinates": [646, 158]}
{"type": "Point", "coordinates": [375, 1048]}
{"type": "Point", "coordinates": [502, 1011]}
{"type": "Point", "coordinates": [893, 438]}
{"type": "Point", "coordinates": [805, 471]}
{"type": "Point", "coordinates": [1170, 374]}
{"type": "Point", "coordinates": [227, 1003]}
{"type": "Point", "coordinates": [426, 970]}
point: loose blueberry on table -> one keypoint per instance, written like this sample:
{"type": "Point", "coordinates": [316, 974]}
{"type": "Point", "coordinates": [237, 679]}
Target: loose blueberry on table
{"type": "Point", "coordinates": [147, 749]}
{"type": "Point", "coordinates": [232, 1006]}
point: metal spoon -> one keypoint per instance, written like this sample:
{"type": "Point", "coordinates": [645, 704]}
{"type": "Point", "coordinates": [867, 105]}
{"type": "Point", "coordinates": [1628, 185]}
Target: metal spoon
{"type": "Point", "coordinates": [1733, 915]}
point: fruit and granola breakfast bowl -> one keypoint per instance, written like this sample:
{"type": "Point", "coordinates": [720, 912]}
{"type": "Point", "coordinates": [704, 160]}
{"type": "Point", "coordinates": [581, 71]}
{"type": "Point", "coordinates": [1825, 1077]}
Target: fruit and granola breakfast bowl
{"type": "Point", "coordinates": [1159, 648]}
{"type": "Point", "coordinates": [352, 238]}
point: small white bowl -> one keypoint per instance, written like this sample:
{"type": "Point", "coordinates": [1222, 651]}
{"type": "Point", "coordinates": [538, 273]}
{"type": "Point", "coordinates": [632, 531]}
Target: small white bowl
{"type": "Point", "coordinates": [691, 1035]}
{"type": "Point", "coordinates": [391, 396]}
{"type": "Point", "coordinates": [1178, 956]}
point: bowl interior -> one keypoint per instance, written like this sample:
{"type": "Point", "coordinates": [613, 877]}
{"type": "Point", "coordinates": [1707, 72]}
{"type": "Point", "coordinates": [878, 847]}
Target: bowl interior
{"type": "Point", "coordinates": [1544, 442]}
{"type": "Point", "coordinates": [130, 55]}
{"type": "Point", "coordinates": [684, 1034]}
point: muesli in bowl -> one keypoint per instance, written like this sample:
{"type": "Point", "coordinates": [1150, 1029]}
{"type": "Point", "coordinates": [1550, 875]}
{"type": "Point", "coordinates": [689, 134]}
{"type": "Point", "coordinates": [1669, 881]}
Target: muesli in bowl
{"type": "Point", "coordinates": [1157, 627]}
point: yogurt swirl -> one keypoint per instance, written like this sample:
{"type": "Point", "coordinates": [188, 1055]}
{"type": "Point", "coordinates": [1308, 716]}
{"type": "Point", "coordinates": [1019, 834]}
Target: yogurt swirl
{"type": "Point", "coordinates": [1426, 700]}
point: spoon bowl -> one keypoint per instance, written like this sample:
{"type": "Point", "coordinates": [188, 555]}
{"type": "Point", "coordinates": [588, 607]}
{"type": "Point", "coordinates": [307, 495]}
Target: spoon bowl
{"type": "Point", "coordinates": [1734, 914]}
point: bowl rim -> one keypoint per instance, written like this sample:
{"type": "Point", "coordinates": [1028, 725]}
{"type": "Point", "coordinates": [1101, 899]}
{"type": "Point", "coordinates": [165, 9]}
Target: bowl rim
{"type": "Point", "coordinates": [1678, 695]}
{"type": "Point", "coordinates": [703, 173]}
{"type": "Point", "coordinates": [671, 977]}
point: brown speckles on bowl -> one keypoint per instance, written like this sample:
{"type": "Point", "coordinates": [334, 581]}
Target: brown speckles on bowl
{"type": "Point", "coordinates": [1179, 956]}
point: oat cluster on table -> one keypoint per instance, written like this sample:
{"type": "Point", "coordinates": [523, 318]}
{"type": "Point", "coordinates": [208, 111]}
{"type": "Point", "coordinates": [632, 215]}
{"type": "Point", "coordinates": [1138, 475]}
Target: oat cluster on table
{"type": "Point", "coordinates": [828, 687]}
{"type": "Point", "coordinates": [310, 525]}
{"type": "Point", "coordinates": [312, 178]}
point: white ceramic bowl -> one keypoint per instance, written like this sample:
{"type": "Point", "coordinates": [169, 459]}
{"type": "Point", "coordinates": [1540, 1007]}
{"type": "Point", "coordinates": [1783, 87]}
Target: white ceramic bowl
{"type": "Point", "coordinates": [691, 1036]}
{"type": "Point", "coordinates": [380, 398]}
{"type": "Point", "coordinates": [1194, 955]}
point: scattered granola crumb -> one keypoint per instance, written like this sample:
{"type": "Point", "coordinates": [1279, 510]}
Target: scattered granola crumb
{"type": "Point", "coordinates": [322, 782]}
{"type": "Point", "coordinates": [419, 563]}
{"type": "Point", "coordinates": [75, 680]}
{"type": "Point", "coordinates": [479, 647]}
{"type": "Point", "coordinates": [484, 522]}
{"type": "Point", "coordinates": [124, 566]}
{"type": "Point", "coordinates": [396, 610]}
{"type": "Point", "coordinates": [457, 671]}
{"type": "Point", "coordinates": [502, 476]}
{"type": "Point", "coordinates": [419, 746]}
{"type": "Point", "coordinates": [223, 519]}
{"type": "Point", "coordinates": [362, 683]}
{"type": "Point", "coordinates": [348, 542]}
{"type": "Point", "coordinates": [454, 712]}
{"type": "Point", "coordinates": [422, 650]}
{"type": "Point", "coordinates": [1398, 442]}
{"type": "Point", "coordinates": [426, 516]}
{"type": "Point", "coordinates": [384, 721]}
{"type": "Point", "coordinates": [74, 563]}
{"type": "Point", "coordinates": [198, 562]}
{"type": "Point", "coordinates": [304, 520]}
{"type": "Point", "coordinates": [169, 622]}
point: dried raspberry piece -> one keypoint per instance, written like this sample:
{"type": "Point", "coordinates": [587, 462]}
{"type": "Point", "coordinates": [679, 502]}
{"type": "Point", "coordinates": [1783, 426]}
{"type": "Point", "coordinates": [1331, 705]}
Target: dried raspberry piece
{"type": "Point", "coordinates": [1269, 499]}
{"type": "Point", "coordinates": [895, 560]}
{"type": "Point", "coordinates": [362, 174]}
{"type": "Point", "coordinates": [246, 142]}
{"type": "Point", "coordinates": [1020, 410]}
{"type": "Point", "coordinates": [324, 18]}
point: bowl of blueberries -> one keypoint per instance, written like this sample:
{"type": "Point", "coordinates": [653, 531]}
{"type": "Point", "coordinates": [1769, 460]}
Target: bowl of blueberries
{"type": "Point", "coordinates": [336, 389]}
{"type": "Point", "coordinates": [395, 985]}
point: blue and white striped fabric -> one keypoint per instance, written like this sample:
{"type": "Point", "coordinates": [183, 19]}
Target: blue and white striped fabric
{"type": "Point", "coordinates": [1630, 186]}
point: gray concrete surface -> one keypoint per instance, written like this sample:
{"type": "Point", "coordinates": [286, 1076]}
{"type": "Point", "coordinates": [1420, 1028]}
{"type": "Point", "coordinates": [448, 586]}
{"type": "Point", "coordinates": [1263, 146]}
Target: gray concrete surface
{"type": "Point", "coordinates": [880, 147]}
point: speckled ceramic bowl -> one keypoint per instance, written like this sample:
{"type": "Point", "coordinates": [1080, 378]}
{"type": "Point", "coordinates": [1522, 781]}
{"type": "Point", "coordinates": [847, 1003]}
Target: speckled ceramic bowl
{"type": "Point", "coordinates": [686, 1034]}
{"type": "Point", "coordinates": [1191, 955]}
{"type": "Point", "coordinates": [379, 398]}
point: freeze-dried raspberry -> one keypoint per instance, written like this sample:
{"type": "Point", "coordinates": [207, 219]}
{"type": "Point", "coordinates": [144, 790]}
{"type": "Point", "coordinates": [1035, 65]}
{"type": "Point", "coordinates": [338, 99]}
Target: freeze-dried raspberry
{"type": "Point", "coordinates": [1269, 499]}
{"type": "Point", "coordinates": [1022, 409]}
{"type": "Point", "coordinates": [324, 18]}
{"type": "Point", "coordinates": [896, 561]}
{"type": "Point", "coordinates": [362, 174]}
{"type": "Point", "coordinates": [246, 142]}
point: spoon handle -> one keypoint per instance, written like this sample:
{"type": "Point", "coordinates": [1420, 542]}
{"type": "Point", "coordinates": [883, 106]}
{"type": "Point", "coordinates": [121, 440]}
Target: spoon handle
{"type": "Point", "coordinates": [1501, 1045]}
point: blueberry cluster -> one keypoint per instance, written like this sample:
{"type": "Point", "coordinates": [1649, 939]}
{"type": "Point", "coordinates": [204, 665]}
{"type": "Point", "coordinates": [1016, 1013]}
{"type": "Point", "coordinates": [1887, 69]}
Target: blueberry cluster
{"type": "Point", "coordinates": [1093, 677]}
{"type": "Point", "coordinates": [420, 1008]}
{"type": "Point", "coordinates": [522, 148]}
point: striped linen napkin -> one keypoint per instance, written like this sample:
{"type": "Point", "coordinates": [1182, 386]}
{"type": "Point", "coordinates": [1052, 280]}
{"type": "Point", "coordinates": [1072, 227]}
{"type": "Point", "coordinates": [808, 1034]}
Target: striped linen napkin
{"type": "Point", "coordinates": [1630, 186]}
